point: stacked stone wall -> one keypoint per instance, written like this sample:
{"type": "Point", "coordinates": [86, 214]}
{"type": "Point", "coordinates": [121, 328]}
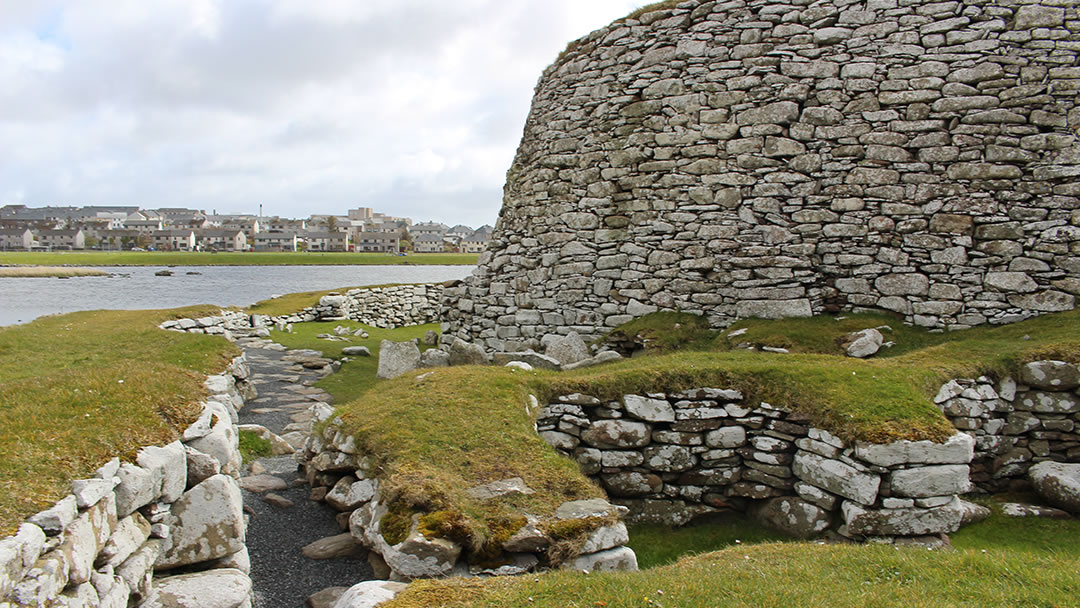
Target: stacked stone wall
{"type": "Point", "coordinates": [166, 530]}
{"type": "Point", "coordinates": [766, 158]}
{"type": "Point", "coordinates": [385, 307]}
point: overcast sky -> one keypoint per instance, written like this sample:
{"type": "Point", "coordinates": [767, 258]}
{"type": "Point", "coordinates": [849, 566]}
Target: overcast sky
{"type": "Point", "coordinates": [412, 107]}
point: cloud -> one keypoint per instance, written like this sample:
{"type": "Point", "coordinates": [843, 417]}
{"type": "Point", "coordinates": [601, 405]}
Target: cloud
{"type": "Point", "coordinates": [409, 106]}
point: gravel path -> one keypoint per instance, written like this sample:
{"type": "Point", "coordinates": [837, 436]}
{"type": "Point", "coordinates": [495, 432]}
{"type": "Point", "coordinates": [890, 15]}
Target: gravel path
{"type": "Point", "coordinates": [282, 576]}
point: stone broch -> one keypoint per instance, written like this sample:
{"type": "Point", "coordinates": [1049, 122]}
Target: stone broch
{"type": "Point", "coordinates": [789, 158]}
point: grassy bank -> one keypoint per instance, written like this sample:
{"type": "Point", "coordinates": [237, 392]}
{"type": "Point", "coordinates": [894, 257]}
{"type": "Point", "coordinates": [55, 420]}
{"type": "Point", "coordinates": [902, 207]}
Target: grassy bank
{"type": "Point", "coordinates": [441, 432]}
{"type": "Point", "coordinates": [23, 272]}
{"type": "Point", "coordinates": [247, 258]}
{"type": "Point", "coordinates": [785, 575]}
{"type": "Point", "coordinates": [79, 389]}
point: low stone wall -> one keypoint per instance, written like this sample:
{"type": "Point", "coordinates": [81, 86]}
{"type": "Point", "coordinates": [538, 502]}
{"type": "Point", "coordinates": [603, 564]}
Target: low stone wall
{"type": "Point", "coordinates": [1017, 423]}
{"type": "Point", "coordinates": [671, 457]}
{"type": "Point", "coordinates": [119, 537]}
{"type": "Point", "coordinates": [384, 307]}
{"type": "Point", "coordinates": [344, 477]}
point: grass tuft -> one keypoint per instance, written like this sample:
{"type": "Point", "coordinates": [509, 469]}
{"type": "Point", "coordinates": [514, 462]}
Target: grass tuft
{"type": "Point", "coordinates": [252, 446]}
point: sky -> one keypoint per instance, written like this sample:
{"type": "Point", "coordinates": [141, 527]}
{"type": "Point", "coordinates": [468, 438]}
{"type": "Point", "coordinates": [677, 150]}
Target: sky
{"type": "Point", "coordinates": [412, 107]}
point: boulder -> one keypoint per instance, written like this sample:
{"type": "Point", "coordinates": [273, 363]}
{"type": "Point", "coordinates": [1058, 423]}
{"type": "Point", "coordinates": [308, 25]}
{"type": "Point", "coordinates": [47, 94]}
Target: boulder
{"type": "Point", "coordinates": [206, 523]}
{"type": "Point", "coordinates": [1050, 375]}
{"type": "Point", "coordinates": [415, 557]}
{"type": "Point", "coordinates": [1058, 483]}
{"type": "Point", "coordinates": [262, 483]}
{"type": "Point", "coordinates": [397, 358]}
{"type": "Point", "coordinates": [434, 357]}
{"type": "Point", "coordinates": [862, 344]}
{"type": "Point", "coordinates": [369, 594]}
{"type": "Point", "coordinates": [903, 522]}
{"type": "Point", "coordinates": [621, 558]}
{"type": "Point", "coordinates": [223, 588]}
{"type": "Point", "coordinates": [466, 353]}
{"type": "Point", "coordinates": [348, 493]}
{"type": "Point", "coordinates": [793, 516]}
{"type": "Point", "coordinates": [568, 349]}
{"type": "Point", "coordinates": [356, 351]}
{"type": "Point", "coordinates": [958, 449]}
{"type": "Point", "coordinates": [533, 359]}
{"type": "Point", "coordinates": [431, 338]}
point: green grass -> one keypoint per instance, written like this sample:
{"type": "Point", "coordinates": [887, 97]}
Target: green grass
{"type": "Point", "coordinates": [252, 446]}
{"type": "Point", "coordinates": [658, 545]}
{"type": "Point", "coordinates": [357, 375]}
{"type": "Point", "coordinates": [784, 575]}
{"type": "Point", "coordinates": [246, 258]}
{"type": "Point", "coordinates": [78, 389]}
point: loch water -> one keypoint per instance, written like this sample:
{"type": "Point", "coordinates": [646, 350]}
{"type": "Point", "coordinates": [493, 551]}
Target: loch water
{"type": "Point", "coordinates": [138, 287]}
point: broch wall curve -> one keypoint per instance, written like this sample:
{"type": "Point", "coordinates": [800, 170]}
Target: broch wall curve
{"type": "Point", "coordinates": [785, 158]}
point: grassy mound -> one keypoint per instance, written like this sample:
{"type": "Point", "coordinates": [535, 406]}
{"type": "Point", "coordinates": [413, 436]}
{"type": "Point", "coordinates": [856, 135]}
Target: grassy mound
{"type": "Point", "coordinates": [78, 389]}
{"type": "Point", "coordinates": [442, 432]}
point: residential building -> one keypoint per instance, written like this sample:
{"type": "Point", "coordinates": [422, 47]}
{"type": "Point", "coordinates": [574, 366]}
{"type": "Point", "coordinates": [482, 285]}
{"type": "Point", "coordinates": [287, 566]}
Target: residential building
{"type": "Point", "coordinates": [123, 238]}
{"type": "Point", "coordinates": [222, 239]}
{"type": "Point", "coordinates": [428, 228]}
{"type": "Point", "coordinates": [428, 243]}
{"type": "Point", "coordinates": [16, 238]}
{"type": "Point", "coordinates": [327, 241]}
{"type": "Point", "coordinates": [61, 239]}
{"type": "Point", "coordinates": [477, 242]}
{"type": "Point", "coordinates": [276, 241]}
{"type": "Point", "coordinates": [174, 240]}
{"type": "Point", "coordinates": [389, 242]}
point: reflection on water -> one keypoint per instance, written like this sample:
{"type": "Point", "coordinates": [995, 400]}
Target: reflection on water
{"type": "Point", "coordinates": [138, 287]}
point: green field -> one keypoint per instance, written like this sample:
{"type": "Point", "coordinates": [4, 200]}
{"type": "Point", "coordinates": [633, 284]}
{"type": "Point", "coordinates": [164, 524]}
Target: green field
{"type": "Point", "coordinates": [249, 258]}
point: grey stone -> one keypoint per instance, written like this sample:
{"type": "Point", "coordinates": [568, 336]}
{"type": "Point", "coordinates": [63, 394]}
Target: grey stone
{"type": "Point", "coordinates": [465, 353]}
{"type": "Point", "coordinates": [397, 358]}
{"type": "Point", "coordinates": [568, 349]}
{"type": "Point", "coordinates": [207, 523]}
{"type": "Point", "coordinates": [862, 344]}
{"type": "Point", "coordinates": [434, 357]}
{"type": "Point", "coordinates": [939, 480]}
{"type": "Point", "coordinates": [958, 449]}
{"type": "Point", "coordinates": [262, 483]}
{"type": "Point", "coordinates": [369, 594]}
{"type": "Point", "coordinates": [1058, 483]}
{"type": "Point", "coordinates": [622, 558]}
{"type": "Point", "coordinates": [836, 477]}
{"type": "Point", "coordinates": [356, 351]}
{"type": "Point", "coordinates": [793, 516]}
{"type": "Point", "coordinates": [223, 588]}
{"type": "Point", "coordinates": [503, 487]}
{"type": "Point", "coordinates": [333, 547]}
{"type": "Point", "coordinates": [649, 409]}
{"type": "Point", "coordinates": [903, 522]}
{"type": "Point", "coordinates": [1050, 375]}
{"type": "Point", "coordinates": [617, 434]}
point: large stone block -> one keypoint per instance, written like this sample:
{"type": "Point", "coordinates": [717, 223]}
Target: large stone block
{"type": "Point", "coordinates": [397, 358]}
{"type": "Point", "coordinates": [958, 449]}
{"type": "Point", "coordinates": [1058, 483]}
{"type": "Point", "coordinates": [206, 523]}
{"type": "Point", "coordinates": [940, 480]}
{"type": "Point", "coordinates": [793, 516]}
{"type": "Point", "coordinates": [836, 477]}
{"type": "Point", "coordinates": [903, 522]}
{"type": "Point", "coordinates": [223, 588]}
{"type": "Point", "coordinates": [617, 434]}
{"type": "Point", "coordinates": [649, 409]}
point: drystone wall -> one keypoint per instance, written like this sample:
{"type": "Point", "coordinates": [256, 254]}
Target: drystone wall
{"type": "Point", "coordinates": [385, 307]}
{"type": "Point", "coordinates": [669, 458]}
{"type": "Point", "coordinates": [1017, 423]}
{"type": "Point", "coordinates": [343, 476]}
{"type": "Point", "coordinates": [166, 530]}
{"type": "Point", "coordinates": [768, 158]}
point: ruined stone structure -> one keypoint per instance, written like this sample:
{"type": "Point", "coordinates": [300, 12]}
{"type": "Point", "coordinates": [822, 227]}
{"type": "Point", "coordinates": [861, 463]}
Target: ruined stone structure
{"type": "Point", "coordinates": [786, 158]}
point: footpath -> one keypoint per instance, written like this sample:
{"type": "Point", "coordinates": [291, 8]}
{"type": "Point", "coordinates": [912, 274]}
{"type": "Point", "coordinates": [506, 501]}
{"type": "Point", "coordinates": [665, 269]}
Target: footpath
{"type": "Point", "coordinates": [290, 538]}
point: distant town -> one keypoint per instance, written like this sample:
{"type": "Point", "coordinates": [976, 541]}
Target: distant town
{"type": "Point", "coordinates": [178, 229]}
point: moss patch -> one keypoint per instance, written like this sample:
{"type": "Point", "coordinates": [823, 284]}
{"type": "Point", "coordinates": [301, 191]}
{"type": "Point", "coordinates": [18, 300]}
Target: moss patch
{"type": "Point", "coordinates": [253, 447]}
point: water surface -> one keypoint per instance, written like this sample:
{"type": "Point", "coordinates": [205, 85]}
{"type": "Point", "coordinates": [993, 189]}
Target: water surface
{"type": "Point", "coordinates": [137, 287]}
